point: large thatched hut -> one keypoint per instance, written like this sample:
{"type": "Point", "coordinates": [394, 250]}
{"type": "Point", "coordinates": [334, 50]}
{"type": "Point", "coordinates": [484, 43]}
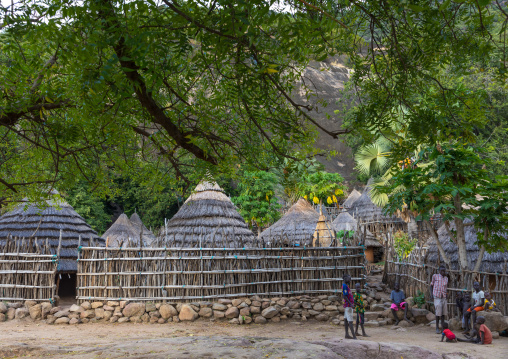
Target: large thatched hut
{"type": "Point", "coordinates": [122, 233]}
{"type": "Point", "coordinates": [28, 220]}
{"type": "Point", "coordinates": [296, 227]}
{"type": "Point", "coordinates": [491, 262]}
{"type": "Point", "coordinates": [208, 218]}
{"type": "Point", "coordinates": [353, 196]}
{"type": "Point", "coordinates": [345, 223]}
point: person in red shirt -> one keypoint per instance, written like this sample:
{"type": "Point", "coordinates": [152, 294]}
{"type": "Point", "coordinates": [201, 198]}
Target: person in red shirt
{"type": "Point", "coordinates": [450, 337]}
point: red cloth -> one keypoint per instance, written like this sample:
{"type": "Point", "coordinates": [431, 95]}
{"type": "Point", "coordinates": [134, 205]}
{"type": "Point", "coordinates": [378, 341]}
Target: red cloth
{"type": "Point", "coordinates": [439, 284]}
{"type": "Point", "coordinates": [487, 334]}
{"type": "Point", "coordinates": [449, 334]}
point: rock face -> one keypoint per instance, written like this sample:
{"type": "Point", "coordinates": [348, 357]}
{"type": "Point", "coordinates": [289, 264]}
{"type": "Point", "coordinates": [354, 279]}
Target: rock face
{"type": "Point", "coordinates": [134, 310]}
{"type": "Point", "coordinates": [269, 312]}
{"type": "Point", "coordinates": [3, 308]}
{"type": "Point", "coordinates": [187, 313]}
{"type": "Point", "coordinates": [22, 313]}
{"type": "Point", "coordinates": [232, 312]}
{"type": "Point", "coordinates": [35, 311]}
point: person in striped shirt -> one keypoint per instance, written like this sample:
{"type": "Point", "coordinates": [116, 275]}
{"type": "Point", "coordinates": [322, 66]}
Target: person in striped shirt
{"type": "Point", "coordinates": [438, 288]}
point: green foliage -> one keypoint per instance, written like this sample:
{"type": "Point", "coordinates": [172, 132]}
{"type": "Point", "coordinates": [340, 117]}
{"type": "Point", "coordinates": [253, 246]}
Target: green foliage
{"type": "Point", "coordinates": [322, 186]}
{"type": "Point", "coordinates": [256, 199]}
{"type": "Point", "coordinates": [402, 244]}
{"type": "Point", "coordinates": [419, 299]}
{"type": "Point", "coordinates": [459, 186]}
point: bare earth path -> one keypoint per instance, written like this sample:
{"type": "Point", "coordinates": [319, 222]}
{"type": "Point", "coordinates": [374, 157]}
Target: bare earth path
{"type": "Point", "coordinates": [26, 339]}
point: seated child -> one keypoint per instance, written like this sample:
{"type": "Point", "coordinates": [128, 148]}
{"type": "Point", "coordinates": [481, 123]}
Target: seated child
{"type": "Point", "coordinates": [450, 337]}
{"type": "Point", "coordinates": [481, 333]}
{"type": "Point", "coordinates": [397, 297]}
{"type": "Point", "coordinates": [490, 305]}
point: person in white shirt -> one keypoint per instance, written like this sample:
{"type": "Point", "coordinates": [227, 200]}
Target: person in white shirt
{"type": "Point", "coordinates": [477, 305]}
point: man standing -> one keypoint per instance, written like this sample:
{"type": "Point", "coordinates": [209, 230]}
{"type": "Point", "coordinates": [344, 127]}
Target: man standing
{"type": "Point", "coordinates": [438, 288]}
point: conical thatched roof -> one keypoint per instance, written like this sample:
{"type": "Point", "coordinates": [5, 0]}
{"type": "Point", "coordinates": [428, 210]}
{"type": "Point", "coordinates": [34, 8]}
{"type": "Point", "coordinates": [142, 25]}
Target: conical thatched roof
{"type": "Point", "coordinates": [148, 236]}
{"type": "Point", "coordinates": [122, 232]}
{"type": "Point", "coordinates": [297, 226]}
{"type": "Point", "coordinates": [363, 209]}
{"type": "Point", "coordinates": [324, 233]}
{"type": "Point", "coordinates": [492, 262]}
{"type": "Point", "coordinates": [41, 223]}
{"type": "Point", "coordinates": [208, 217]}
{"type": "Point", "coordinates": [351, 199]}
{"type": "Point", "coordinates": [346, 222]}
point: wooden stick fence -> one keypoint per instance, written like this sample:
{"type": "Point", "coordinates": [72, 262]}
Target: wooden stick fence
{"type": "Point", "coordinates": [414, 276]}
{"type": "Point", "coordinates": [179, 274]}
{"type": "Point", "coordinates": [27, 270]}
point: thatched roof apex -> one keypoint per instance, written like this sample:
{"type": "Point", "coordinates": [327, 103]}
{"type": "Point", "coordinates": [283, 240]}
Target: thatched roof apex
{"type": "Point", "coordinates": [30, 220]}
{"type": "Point", "coordinates": [121, 232]}
{"type": "Point", "coordinates": [148, 236]}
{"type": "Point", "coordinates": [297, 225]}
{"type": "Point", "coordinates": [209, 217]}
{"type": "Point", "coordinates": [353, 196]}
{"type": "Point", "coordinates": [492, 262]}
{"type": "Point", "coordinates": [346, 222]}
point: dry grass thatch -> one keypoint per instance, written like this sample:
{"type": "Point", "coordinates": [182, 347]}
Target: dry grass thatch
{"type": "Point", "coordinates": [148, 236]}
{"type": "Point", "coordinates": [208, 217]}
{"type": "Point", "coordinates": [324, 235]}
{"type": "Point", "coordinates": [492, 262]}
{"type": "Point", "coordinates": [351, 199]}
{"type": "Point", "coordinates": [121, 233]}
{"type": "Point", "coordinates": [30, 221]}
{"type": "Point", "coordinates": [364, 210]}
{"type": "Point", "coordinates": [297, 226]}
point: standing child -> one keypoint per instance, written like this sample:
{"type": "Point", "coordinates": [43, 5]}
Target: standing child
{"type": "Point", "coordinates": [348, 306]}
{"type": "Point", "coordinates": [398, 302]}
{"type": "Point", "coordinates": [438, 288]}
{"type": "Point", "coordinates": [466, 304]}
{"type": "Point", "coordinates": [359, 309]}
{"type": "Point", "coordinates": [450, 337]}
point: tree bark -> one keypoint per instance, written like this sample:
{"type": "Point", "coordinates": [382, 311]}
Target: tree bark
{"type": "Point", "coordinates": [438, 243]}
{"type": "Point", "coordinates": [482, 252]}
{"type": "Point", "coordinates": [461, 237]}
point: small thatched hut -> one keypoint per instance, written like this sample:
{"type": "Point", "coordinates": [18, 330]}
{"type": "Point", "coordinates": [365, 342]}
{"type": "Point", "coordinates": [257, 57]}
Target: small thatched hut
{"type": "Point", "coordinates": [122, 233]}
{"type": "Point", "coordinates": [208, 218]}
{"type": "Point", "coordinates": [31, 221]}
{"type": "Point", "coordinates": [297, 225]}
{"type": "Point", "coordinates": [366, 212]}
{"type": "Point", "coordinates": [353, 196]}
{"type": "Point", "coordinates": [373, 249]}
{"type": "Point", "coordinates": [491, 262]}
{"type": "Point", "coordinates": [324, 235]}
{"type": "Point", "coordinates": [148, 236]}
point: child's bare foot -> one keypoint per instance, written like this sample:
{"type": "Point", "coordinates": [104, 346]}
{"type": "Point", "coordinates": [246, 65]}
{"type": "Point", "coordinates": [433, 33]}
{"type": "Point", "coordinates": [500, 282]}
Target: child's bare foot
{"type": "Point", "coordinates": [357, 334]}
{"type": "Point", "coordinates": [348, 337]}
{"type": "Point", "coordinates": [365, 335]}
{"type": "Point", "coordinates": [397, 322]}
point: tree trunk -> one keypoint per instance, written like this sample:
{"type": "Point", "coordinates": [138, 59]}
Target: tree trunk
{"type": "Point", "coordinates": [482, 252]}
{"type": "Point", "coordinates": [438, 243]}
{"type": "Point", "coordinates": [461, 237]}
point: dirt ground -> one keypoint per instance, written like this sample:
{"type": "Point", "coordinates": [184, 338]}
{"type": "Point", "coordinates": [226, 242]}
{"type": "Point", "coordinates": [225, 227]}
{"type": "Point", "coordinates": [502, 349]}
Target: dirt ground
{"type": "Point", "coordinates": [14, 334]}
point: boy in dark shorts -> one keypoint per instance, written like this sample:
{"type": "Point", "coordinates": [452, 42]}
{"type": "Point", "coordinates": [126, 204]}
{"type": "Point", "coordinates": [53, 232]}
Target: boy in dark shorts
{"type": "Point", "coordinates": [359, 309]}
{"type": "Point", "coordinates": [450, 337]}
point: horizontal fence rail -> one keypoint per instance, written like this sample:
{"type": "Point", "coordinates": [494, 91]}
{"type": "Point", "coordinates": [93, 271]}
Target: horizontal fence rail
{"type": "Point", "coordinates": [180, 274]}
{"type": "Point", "coordinates": [27, 270]}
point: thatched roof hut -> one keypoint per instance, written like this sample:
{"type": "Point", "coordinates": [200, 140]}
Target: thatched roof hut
{"type": "Point", "coordinates": [148, 236]}
{"type": "Point", "coordinates": [297, 225]}
{"type": "Point", "coordinates": [31, 221]}
{"type": "Point", "coordinates": [122, 233]}
{"type": "Point", "coordinates": [324, 235]}
{"type": "Point", "coordinates": [208, 218]}
{"type": "Point", "coordinates": [491, 262]}
{"type": "Point", "coordinates": [353, 196]}
{"type": "Point", "coordinates": [364, 210]}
